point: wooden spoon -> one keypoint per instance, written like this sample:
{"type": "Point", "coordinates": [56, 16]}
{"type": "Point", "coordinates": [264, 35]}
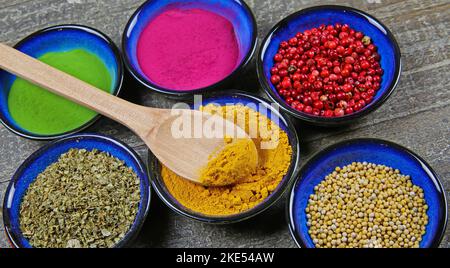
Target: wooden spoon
{"type": "Point", "coordinates": [185, 156]}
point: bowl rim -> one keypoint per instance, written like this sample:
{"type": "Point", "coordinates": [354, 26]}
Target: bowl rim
{"type": "Point", "coordinates": [183, 93]}
{"type": "Point", "coordinates": [116, 92]}
{"type": "Point", "coordinates": [332, 120]}
{"type": "Point", "coordinates": [134, 229]}
{"type": "Point", "coordinates": [290, 198]}
{"type": "Point", "coordinates": [292, 173]}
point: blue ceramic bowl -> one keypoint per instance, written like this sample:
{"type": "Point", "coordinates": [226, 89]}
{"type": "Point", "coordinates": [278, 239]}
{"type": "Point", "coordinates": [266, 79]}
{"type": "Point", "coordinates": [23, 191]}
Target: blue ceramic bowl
{"type": "Point", "coordinates": [313, 17]}
{"type": "Point", "coordinates": [57, 39]}
{"type": "Point", "coordinates": [49, 154]}
{"type": "Point", "coordinates": [236, 11]}
{"type": "Point", "coordinates": [256, 103]}
{"type": "Point", "coordinates": [377, 152]}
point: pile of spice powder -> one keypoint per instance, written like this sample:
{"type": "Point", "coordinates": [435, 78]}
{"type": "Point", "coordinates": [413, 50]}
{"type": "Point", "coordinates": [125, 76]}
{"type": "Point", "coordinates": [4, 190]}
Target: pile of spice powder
{"type": "Point", "coordinates": [273, 164]}
{"type": "Point", "coordinates": [186, 49]}
{"type": "Point", "coordinates": [39, 111]}
{"type": "Point", "coordinates": [87, 199]}
{"type": "Point", "coordinates": [237, 160]}
{"type": "Point", "coordinates": [364, 205]}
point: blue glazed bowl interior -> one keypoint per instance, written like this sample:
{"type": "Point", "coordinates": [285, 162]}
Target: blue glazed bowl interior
{"type": "Point", "coordinates": [60, 39]}
{"type": "Point", "coordinates": [235, 11]}
{"type": "Point", "coordinates": [314, 17]}
{"type": "Point", "coordinates": [372, 151]}
{"type": "Point", "coordinates": [47, 155]}
{"type": "Point", "coordinates": [263, 108]}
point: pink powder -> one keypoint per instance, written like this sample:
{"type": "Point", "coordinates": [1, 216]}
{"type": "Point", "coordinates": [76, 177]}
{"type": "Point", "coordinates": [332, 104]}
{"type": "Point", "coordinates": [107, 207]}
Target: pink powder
{"type": "Point", "coordinates": [187, 49]}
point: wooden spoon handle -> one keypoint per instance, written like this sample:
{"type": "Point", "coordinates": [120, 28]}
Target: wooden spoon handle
{"type": "Point", "coordinates": [72, 88]}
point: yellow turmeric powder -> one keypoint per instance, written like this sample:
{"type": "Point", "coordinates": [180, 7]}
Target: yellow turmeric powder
{"type": "Point", "coordinates": [249, 191]}
{"type": "Point", "coordinates": [237, 160]}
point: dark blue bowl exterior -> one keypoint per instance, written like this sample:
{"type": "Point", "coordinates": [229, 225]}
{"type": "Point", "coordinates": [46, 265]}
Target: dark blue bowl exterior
{"type": "Point", "coordinates": [236, 11]}
{"type": "Point", "coordinates": [49, 154]}
{"type": "Point", "coordinates": [263, 107]}
{"type": "Point", "coordinates": [373, 151]}
{"type": "Point", "coordinates": [314, 17]}
{"type": "Point", "coordinates": [57, 39]}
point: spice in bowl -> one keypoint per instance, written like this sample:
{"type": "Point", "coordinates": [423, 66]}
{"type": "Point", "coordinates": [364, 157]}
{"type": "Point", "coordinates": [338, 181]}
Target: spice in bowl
{"type": "Point", "coordinates": [41, 112]}
{"type": "Point", "coordinates": [236, 161]}
{"type": "Point", "coordinates": [248, 191]}
{"type": "Point", "coordinates": [364, 205]}
{"type": "Point", "coordinates": [328, 71]}
{"type": "Point", "coordinates": [187, 49]}
{"type": "Point", "coordinates": [87, 199]}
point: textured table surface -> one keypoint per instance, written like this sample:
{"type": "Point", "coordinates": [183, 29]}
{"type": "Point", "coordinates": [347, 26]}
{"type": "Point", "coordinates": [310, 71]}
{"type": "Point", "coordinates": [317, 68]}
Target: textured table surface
{"type": "Point", "coordinates": [416, 116]}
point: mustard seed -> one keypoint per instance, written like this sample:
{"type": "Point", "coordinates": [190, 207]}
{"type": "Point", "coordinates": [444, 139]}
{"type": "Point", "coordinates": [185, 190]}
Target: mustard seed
{"type": "Point", "coordinates": [366, 205]}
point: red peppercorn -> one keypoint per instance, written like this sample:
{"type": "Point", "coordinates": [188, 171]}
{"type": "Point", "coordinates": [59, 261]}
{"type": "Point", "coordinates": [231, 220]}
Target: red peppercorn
{"type": "Point", "coordinates": [315, 96]}
{"type": "Point", "coordinates": [339, 112]}
{"type": "Point", "coordinates": [343, 35]}
{"type": "Point", "coordinates": [329, 113]}
{"type": "Point", "coordinates": [308, 109]}
{"type": "Point", "coordinates": [365, 64]}
{"type": "Point", "coordinates": [337, 70]}
{"type": "Point", "coordinates": [296, 77]}
{"type": "Point", "coordinates": [318, 105]}
{"type": "Point", "coordinates": [372, 47]}
{"type": "Point", "coordinates": [318, 85]}
{"type": "Point", "coordinates": [300, 107]}
{"type": "Point", "coordinates": [376, 85]}
{"type": "Point", "coordinates": [345, 72]}
{"type": "Point", "coordinates": [275, 79]}
{"type": "Point", "coordinates": [357, 107]}
{"type": "Point", "coordinates": [323, 98]}
{"type": "Point", "coordinates": [333, 77]}
{"type": "Point", "coordinates": [333, 54]}
{"type": "Point", "coordinates": [325, 73]}
{"type": "Point", "coordinates": [307, 100]}
{"type": "Point", "coordinates": [359, 35]}
{"type": "Point", "coordinates": [283, 73]}
{"type": "Point", "coordinates": [349, 110]}
{"type": "Point", "coordinates": [289, 100]}
{"type": "Point", "coordinates": [340, 95]}
{"type": "Point", "coordinates": [344, 42]}
{"type": "Point", "coordinates": [342, 104]}
{"type": "Point", "coordinates": [340, 50]}
{"type": "Point", "coordinates": [286, 84]}
{"type": "Point", "coordinates": [278, 57]}
{"type": "Point", "coordinates": [333, 99]}
{"type": "Point", "coordinates": [330, 70]}
{"type": "Point", "coordinates": [284, 44]}
{"type": "Point", "coordinates": [293, 41]}
{"type": "Point", "coordinates": [347, 87]}
{"type": "Point", "coordinates": [349, 60]}
{"type": "Point", "coordinates": [331, 45]}
{"type": "Point", "coordinates": [282, 66]}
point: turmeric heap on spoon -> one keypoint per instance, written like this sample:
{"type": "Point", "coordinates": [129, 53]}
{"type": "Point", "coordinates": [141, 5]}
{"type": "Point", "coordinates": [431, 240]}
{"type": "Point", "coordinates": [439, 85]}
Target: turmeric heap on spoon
{"type": "Point", "coordinates": [236, 161]}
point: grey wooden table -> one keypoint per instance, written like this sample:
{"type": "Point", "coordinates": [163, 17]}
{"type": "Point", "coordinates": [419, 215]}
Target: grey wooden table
{"type": "Point", "coordinates": [416, 116]}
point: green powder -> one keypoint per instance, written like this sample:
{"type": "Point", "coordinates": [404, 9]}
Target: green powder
{"type": "Point", "coordinates": [41, 112]}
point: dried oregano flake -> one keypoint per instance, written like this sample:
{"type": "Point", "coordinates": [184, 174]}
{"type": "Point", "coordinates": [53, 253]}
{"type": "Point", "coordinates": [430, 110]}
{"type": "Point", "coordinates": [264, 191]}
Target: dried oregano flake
{"type": "Point", "coordinates": [87, 199]}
